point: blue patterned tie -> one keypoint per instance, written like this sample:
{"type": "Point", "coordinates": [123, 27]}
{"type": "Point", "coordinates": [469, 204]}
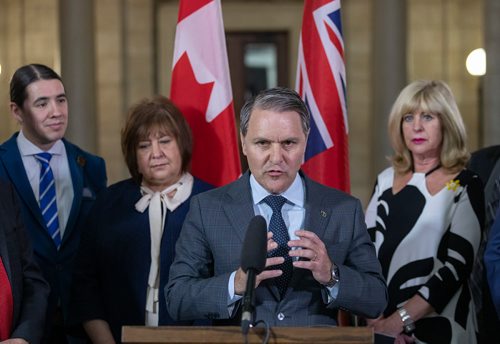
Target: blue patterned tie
{"type": "Point", "coordinates": [280, 236]}
{"type": "Point", "coordinates": [48, 202]}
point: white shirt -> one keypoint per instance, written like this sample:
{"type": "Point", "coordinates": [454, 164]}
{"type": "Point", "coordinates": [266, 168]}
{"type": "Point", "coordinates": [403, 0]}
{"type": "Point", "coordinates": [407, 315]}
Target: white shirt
{"type": "Point", "coordinates": [60, 169]}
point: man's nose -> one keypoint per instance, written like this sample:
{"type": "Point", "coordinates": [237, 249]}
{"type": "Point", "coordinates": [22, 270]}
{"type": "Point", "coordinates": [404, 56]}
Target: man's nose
{"type": "Point", "coordinates": [55, 108]}
{"type": "Point", "coordinates": [276, 154]}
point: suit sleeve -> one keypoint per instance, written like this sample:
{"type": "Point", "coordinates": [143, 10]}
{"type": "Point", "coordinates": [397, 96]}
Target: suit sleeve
{"type": "Point", "coordinates": [193, 291]}
{"type": "Point", "coordinates": [35, 290]}
{"type": "Point", "coordinates": [492, 262]}
{"type": "Point", "coordinates": [371, 213]}
{"type": "Point", "coordinates": [86, 302]}
{"type": "Point", "coordinates": [362, 289]}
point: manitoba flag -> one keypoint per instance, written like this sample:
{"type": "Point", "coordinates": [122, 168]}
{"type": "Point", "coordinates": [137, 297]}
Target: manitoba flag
{"type": "Point", "coordinates": [201, 88]}
{"type": "Point", "coordinates": [321, 82]}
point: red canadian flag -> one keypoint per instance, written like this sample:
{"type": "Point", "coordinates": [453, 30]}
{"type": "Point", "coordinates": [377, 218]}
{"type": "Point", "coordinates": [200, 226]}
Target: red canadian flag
{"type": "Point", "coordinates": [201, 88]}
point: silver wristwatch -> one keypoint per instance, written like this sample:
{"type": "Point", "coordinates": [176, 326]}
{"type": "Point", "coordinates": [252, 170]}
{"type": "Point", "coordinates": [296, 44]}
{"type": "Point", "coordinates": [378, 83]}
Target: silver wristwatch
{"type": "Point", "coordinates": [334, 279]}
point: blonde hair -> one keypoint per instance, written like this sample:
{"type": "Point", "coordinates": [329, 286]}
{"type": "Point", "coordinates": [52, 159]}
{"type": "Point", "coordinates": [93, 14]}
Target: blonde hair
{"type": "Point", "coordinates": [433, 96]}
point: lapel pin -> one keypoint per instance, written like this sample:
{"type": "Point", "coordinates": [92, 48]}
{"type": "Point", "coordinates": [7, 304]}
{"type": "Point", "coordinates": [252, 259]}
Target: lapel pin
{"type": "Point", "coordinates": [323, 213]}
{"type": "Point", "coordinates": [81, 161]}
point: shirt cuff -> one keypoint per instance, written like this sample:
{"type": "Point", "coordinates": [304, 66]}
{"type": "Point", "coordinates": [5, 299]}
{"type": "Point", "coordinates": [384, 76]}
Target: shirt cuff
{"type": "Point", "coordinates": [232, 297]}
{"type": "Point", "coordinates": [332, 292]}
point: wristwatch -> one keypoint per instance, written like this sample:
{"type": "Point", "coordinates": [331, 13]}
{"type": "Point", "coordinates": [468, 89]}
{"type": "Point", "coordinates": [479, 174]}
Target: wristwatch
{"type": "Point", "coordinates": [408, 324]}
{"type": "Point", "coordinates": [334, 279]}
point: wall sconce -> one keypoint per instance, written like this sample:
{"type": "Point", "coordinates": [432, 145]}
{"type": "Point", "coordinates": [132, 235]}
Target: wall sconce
{"type": "Point", "coordinates": [476, 62]}
{"type": "Point", "coordinates": [476, 66]}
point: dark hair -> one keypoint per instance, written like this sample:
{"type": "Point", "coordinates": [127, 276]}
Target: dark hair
{"type": "Point", "coordinates": [149, 114]}
{"type": "Point", "coordinates": [279, 99]}
{"type": "Point", "coordinates": [26, 75]}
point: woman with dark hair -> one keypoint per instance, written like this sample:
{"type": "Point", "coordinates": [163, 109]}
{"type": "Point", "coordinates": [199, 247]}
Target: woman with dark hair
{"type": "Point", "coordinates": [23, 291]}
{"type": "Point", "coordinates": [425, 220]}
{"type": "Point", "coordinates": [128, 245]}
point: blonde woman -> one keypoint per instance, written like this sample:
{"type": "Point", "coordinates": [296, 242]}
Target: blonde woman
{"type": "Point", "coordinates": [425, 219]}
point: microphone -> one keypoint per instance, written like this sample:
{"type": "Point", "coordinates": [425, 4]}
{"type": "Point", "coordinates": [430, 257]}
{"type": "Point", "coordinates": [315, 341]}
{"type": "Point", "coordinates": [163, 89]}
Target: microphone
{"type": "Point", "coordinates": [253, 261]}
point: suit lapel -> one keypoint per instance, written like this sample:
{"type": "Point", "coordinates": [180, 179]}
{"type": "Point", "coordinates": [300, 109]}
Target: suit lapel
{"type": "Point", "coordinates": [11, 159]}
{"type": "Point", "coordinates": [238, 205]}
{"type": "Point", "coordinates": [317, 213]}
{"type": "Point", "coordinates": [317, 216]}
{"type": "Point", "coordinates": [76, 171]}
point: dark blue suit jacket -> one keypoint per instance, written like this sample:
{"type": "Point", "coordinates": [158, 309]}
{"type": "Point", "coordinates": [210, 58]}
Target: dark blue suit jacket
{"type": "Point", "coordinates": [29, 290]}
{"type": "Point", "coordinates": [111, 275]}
{"type": "Point", "coordinates": [88, 173]}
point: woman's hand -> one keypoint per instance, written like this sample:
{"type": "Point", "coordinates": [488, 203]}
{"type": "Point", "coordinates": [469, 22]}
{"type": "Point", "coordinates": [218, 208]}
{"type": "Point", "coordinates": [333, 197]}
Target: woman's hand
{"type": "Point", "coordinates": [371, 322]}
{"type": "Point", "coordinates": [99, 332]}
{"type": "Point", "coordinates": [404, 339]}
{"type": "Point", "coordinates": [391, 326]}
{"type": "Point", "coordinates": [14, 341]}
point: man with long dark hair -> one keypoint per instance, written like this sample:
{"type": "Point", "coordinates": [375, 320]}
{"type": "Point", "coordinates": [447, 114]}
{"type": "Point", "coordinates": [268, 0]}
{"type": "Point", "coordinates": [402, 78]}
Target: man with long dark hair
{"type": "Point", "coordinates": [56, 181]}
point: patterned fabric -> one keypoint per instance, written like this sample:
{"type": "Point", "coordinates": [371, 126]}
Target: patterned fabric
{"type": "Point", "coordinates": [280, 236]}
{"type": "Point", "coordinates": [426, 245]}
{"type": "Point", "coordinates": [47, 200]}
{"type": "Point", "coordinates": [6, 304]}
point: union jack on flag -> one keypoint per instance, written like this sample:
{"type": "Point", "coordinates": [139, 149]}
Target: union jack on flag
{"type": "Point", "coordinates": [321, 82]}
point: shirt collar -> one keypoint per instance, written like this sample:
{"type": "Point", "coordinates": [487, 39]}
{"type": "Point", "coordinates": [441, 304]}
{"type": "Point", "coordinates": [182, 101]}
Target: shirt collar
{"type": "Point", "coordinates": [294, 194]}
{"type": "Point", "coordinates": [27, 148]}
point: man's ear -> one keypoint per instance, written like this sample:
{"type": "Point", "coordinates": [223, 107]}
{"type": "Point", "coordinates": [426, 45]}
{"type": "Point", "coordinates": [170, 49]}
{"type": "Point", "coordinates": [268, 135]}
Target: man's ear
{"type": "Point", "coordinates": [17, 112]}
{"type": "Point", "coordinates": [243, 145]}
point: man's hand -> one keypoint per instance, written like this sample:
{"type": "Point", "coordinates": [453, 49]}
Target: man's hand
{"type": "Point", "coordinates": [311, 247]}
{"type": "Point", "coordinates": [240, 280]}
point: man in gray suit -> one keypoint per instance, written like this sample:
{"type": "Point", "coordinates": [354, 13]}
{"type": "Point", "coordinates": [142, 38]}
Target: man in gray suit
{"type": "Point", "coordinates": [329, 262]}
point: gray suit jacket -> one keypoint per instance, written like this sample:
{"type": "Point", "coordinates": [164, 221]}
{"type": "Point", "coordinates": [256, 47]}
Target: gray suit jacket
{"type": "Point", "coordinates": [209, 248]}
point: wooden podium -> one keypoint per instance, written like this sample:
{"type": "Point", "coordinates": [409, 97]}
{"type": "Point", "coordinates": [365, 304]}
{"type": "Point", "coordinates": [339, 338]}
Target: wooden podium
{"type": "Point", "coordinates": [232, 335]}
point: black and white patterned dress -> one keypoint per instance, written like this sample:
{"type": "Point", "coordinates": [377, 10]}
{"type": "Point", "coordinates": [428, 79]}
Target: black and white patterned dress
{"type": "Point", "coordinates": [426, 244]}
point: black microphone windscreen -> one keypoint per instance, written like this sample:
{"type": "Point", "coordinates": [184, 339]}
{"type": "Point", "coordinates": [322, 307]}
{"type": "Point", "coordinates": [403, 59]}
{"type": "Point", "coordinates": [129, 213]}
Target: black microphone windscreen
{"type": "Point", "coordinates": [254, 251]}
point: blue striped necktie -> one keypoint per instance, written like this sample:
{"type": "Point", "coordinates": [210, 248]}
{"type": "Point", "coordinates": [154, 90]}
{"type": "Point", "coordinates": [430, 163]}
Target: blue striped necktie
{"type": "Point", "coordinates": [280, 236]}
{"type": "Point", "coordinates": [48, 202]}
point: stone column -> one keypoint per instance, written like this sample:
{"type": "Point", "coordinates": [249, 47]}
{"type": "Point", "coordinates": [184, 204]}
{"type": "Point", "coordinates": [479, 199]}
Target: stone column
{"type": "Point", "coordinates": [78, 70]}
{"type": "Point", "coordinates": [389, 72]}
{"type": "Point", "coordinates": [491, 100]}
